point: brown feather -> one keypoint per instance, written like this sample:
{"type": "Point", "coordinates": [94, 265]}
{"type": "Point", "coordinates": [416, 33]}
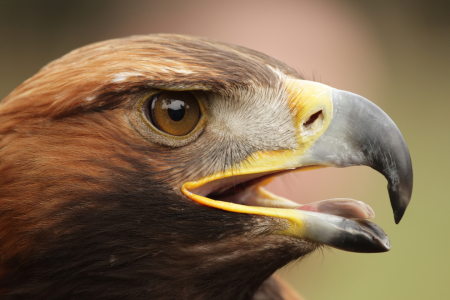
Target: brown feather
{"type": "Point", "coordinates": [91, 209]}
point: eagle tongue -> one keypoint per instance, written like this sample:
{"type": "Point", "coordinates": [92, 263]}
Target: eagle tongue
{"type": "Point", "coordinates": [344, 207]}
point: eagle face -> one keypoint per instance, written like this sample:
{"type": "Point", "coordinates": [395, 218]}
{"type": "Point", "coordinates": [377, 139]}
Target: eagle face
{"type": "Point", "coordinates": [134, 169]}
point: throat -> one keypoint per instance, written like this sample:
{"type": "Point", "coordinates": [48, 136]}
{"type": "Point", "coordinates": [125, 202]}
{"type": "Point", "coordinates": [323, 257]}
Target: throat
{"type": "Point", "coordinates": [238, 268]}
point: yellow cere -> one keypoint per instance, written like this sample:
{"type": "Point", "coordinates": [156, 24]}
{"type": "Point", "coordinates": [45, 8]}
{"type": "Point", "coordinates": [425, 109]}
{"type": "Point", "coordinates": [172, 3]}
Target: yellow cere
{"type": "Point", "coordinates": [305, 98]}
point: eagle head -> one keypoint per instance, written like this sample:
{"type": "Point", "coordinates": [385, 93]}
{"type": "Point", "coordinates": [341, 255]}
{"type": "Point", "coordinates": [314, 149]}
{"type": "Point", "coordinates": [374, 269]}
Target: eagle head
{"type": "Point", "coordinates": [134, 169]}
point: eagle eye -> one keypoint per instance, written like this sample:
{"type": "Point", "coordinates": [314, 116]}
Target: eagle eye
{"type": "Point", "coordinates": [173, 112]}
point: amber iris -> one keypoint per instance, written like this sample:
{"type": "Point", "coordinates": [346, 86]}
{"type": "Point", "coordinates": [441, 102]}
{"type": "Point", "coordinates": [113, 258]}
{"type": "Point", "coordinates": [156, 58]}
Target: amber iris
{"type": "Point", "coordinates": [175, 113]}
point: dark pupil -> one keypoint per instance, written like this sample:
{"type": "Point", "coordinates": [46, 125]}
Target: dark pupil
{"type": "Point", "coordinates": [176, 110]}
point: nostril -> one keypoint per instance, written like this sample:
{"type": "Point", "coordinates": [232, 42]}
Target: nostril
{"type": "Point", "coordinates": [312, 119]}
{"type": "Point", "coordinates": [313, 124]}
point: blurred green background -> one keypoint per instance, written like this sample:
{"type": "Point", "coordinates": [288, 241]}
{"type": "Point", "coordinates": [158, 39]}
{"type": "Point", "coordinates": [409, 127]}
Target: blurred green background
{"type": "Point", "coordinates": [395, 53]}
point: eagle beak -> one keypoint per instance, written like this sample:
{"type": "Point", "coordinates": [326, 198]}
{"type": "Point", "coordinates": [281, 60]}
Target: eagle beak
{"type": "Point", "coordinates": [360, 133]}
{"type": "Point", "coordinates": [336, 128]}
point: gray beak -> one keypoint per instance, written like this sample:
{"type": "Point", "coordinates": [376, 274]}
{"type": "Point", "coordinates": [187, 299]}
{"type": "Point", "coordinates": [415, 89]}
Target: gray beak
{"type": "Point", "coordinates": [360, 133]}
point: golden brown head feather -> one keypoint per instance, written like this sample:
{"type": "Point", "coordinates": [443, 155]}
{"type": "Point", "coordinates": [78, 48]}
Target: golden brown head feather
{"type": "Point", "coordinates": [75, 81]}
{"type": "Point", "coordinates": [88, 205]}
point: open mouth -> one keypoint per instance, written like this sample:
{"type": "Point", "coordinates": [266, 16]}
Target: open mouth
{"type": "Point", "coordinates": [252, 193]}
{"type": "Point", "coordinates": [249, 190]}
{"type": "Point", "coordinates": [341, 223]}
